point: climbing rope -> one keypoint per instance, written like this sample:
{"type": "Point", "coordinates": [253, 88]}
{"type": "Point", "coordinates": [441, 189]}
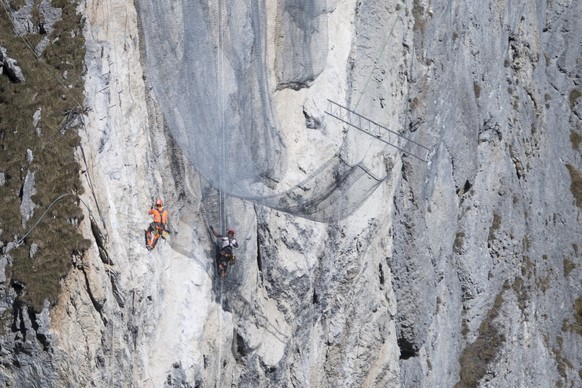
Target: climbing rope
{"type": "Point", "coordinates": [219, 359]}
{"type": "Point", "coordinates": [222, 172]}
{"type": "Point", "coordinates": [223, 137]}
{"type": "Point", "coordinates": [114, 60]}
{"type": "Point", "coordinates": [40, 219]}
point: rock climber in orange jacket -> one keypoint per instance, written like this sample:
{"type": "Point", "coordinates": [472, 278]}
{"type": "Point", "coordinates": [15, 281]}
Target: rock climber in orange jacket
{"type": "Point", "coordinates": [160, 214]}
{"type": "Point", "coordinates": [158, 226]}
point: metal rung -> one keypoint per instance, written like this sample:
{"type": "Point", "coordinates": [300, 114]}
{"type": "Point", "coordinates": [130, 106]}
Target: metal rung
{"type": "Point", "coordinates": [378, 131]}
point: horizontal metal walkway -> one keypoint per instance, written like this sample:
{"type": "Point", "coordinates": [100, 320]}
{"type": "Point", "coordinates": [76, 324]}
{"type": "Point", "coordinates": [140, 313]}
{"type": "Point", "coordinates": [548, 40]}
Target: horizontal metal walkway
{"type": "Point", "coordinates": [378, 131]}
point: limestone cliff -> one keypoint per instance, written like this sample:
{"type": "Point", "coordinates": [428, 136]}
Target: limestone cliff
{"type": "Point", "coordinates": [460, 271]}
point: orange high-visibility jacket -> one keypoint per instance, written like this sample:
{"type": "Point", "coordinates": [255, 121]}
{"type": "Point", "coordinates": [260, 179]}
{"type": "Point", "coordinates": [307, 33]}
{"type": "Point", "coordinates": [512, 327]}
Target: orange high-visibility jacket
{"type": "Point", "coordinates": [160, 215]}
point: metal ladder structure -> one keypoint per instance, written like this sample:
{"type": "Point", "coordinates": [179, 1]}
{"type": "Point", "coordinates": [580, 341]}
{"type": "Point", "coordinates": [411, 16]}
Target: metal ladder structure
{"type": "Point", "coordinates": [378, 131]}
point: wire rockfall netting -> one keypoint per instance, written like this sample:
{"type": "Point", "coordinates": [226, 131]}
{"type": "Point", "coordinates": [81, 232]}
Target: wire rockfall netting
{"type": "Point", "coordinates": [331, 192]}
{"type": "Point", "coordinates": [205, 64]}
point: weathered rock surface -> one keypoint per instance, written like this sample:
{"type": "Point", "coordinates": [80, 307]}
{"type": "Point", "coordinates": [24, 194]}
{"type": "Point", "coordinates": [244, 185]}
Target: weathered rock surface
{"type": "Point", "coordinates": [27, 206]}
{"type": "Point", "coordinates": [464, 270]}
{"type": "Point", "coordinates": [301, 41]}
{"type": "Point", "coordinates": [10, 67]}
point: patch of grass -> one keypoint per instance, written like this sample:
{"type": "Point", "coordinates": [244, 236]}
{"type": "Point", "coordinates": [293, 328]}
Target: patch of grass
{"type": "Point", "coordinates": [59, 3]}
{"type": "Point", "coordinates": [561, 361]}
{"type": "Point", "coordinates": [477, 356]}
{"type": "Point", "coordinates": [544, 283]}
{"type": "Point", "coordinates": [515, 199]}
{"type": "Point", "coordinates": [477, 89]}
{"type": "Point", "coordinates": [495, 225]}
{"type": "Point", "coordinates": [527, 267]}
{"type": "Point", "coordinates": [53, 87]}
{"type": "Point", "coordinates": [576, 185]}
{"type": "Point", "coordinates": [521, 291]}
{"type": "Point", "coordinates": [575, 94]}
{"type": "Point", "coordinates": [569, 266]}
{"type": "Point", "coordinates": [515, 103]}
{"type": "Point", "coordinates": [526, 243]}
{"type": "Point", "coordinates": [577, 326]}
{"type": "Point", "coordinates": [459, 242]}
{"type": "Point", "coordinates": [576, 139]}
{"type": "Point", "coordinates": [15, 5]}
{"type": "Point", "coordinates": [418, 14]}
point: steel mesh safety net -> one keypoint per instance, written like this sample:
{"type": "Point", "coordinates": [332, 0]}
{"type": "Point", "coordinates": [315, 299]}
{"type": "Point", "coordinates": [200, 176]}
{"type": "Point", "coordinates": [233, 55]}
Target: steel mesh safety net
{"type": "Point", "coordinates": [205, 65]}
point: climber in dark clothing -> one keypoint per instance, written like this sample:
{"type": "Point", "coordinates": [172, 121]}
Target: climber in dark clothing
{"type": "Point", "coordinates": [225, 246]}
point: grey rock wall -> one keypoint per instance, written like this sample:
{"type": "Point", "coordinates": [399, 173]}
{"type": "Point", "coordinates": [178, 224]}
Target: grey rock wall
{"type": "Point", "coordinates": [301, 41]}
{"type": "Point", "coordinates": [473, 234]}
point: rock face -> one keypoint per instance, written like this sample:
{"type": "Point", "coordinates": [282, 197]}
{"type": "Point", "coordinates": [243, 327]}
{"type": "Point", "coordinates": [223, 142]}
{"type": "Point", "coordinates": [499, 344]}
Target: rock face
{"type": "Point", "coordinates": [463, 271]}
{"type": "Point", "coordinates": [9, 67]}
{"type": "Point", "coordinates": [492, 277]}
{"type": "Point", "coordinates": [301, 42]}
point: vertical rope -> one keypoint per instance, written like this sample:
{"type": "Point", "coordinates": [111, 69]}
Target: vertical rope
{"type": "Point", "coordinates": [107, 11]}
{"type": "Point", "coordinates": [223, 137]}
{"type": "Point", "coordinates": [222, 171]}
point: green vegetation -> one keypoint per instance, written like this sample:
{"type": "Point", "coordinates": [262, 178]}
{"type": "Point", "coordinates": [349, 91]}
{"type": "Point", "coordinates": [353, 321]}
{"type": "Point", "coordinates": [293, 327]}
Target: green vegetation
{"type": "Point", "coordinates": [495, 225]}
{"type": "Point", "coordinates": [520, 288]}
{"type": "Point", "coordinates": [576, 185]}
{"type": "Point", "coordinates": [569, 266]}
{"type": "Point", "coordinates": [561, 361]}
{"type": "Point", "coordinates": [544, 283]}
{"type": "Point", "coordinates": [526, 243]}
{"type": "Point", "coordinates": [527, 267]}
{"type": "Point", "coordinates": [575, 94]}
{"type": "Point", "coordinates": [576, 139]}
{"type": "Point", "coordinates": [477, 89]}
{"type": "Point", "coordinates": [577, 326]}
{"type": "Point", "coordinates": [419, 18]}
{"type": "Point", "coordinates": [53, 88]}
{"type": "Point", "coordinates": [477, 356]}
{"type": "Point", "coordinates": [459, 242]}
{"type": "Point", "coordinates": [515, 199]}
